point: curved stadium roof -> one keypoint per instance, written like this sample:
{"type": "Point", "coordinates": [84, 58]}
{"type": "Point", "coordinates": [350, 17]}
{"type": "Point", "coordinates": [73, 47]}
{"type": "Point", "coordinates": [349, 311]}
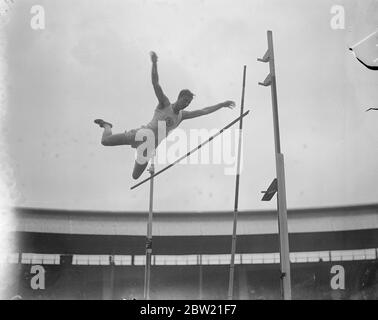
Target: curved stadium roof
{"type": "Point", "coordinates": [331, 219]}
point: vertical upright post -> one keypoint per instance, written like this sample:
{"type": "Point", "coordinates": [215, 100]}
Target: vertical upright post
{"type": "Point", "coordinates": [112, 275]}
{"type": "Point", "coordinates": [200, 277]}
{"type": "Point", "coordinates": [280, 172]}
{"type": "Point", "coordinates": [236, 203]}
{"type": "Point", "coordinates": [147, 270]}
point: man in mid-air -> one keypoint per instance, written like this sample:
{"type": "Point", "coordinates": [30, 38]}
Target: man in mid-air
{"type": "Point", "coordinates": [170, 114]}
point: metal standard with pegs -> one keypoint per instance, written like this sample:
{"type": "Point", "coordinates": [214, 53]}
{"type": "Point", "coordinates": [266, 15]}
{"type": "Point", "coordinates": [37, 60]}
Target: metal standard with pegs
{"type": "Point", "coordinates": [279, 183]}
{"type": "Point", "coordinates": [147, 270]}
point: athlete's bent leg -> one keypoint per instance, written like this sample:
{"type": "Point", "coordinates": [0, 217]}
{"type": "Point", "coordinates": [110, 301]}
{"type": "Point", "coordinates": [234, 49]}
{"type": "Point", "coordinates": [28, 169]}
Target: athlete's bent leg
{"type": "Point", "coordinates": [118, 139]}
{"type": "Point", "coordinates": [143, 156]}
{"type": "Point", "coordinates": [139, 169]}
{"type": "Point", "coordinates": [110, 139]}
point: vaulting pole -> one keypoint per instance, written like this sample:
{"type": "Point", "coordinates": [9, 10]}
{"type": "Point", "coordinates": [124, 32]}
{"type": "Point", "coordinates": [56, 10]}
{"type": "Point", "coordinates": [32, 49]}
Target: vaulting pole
{"type": "Point", "coordinates": [147, 270]}
{"type": "Point", "coordinates": [190, 152]}
{"type": "Point", "coordinates": [236, 203]}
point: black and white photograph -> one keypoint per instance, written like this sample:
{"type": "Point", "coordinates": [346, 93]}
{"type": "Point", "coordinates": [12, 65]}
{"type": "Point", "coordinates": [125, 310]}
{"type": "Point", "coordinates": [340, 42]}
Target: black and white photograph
{"type": "Point", "coordinates": [207, 151]}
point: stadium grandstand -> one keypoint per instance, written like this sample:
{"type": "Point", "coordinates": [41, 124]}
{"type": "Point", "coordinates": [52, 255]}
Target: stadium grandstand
{"type": "Point", "coordinates": [101, 255]}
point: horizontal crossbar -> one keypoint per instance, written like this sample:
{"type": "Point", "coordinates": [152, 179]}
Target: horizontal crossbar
{"type": "Point", "coordinates": [192, 151]}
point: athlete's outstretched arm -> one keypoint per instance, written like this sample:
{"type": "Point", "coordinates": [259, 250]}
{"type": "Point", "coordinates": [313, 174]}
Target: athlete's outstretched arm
{"type": "Point", "coordinates": [201, 112]}
{"type": "Point", "coordinates": [163, 100]}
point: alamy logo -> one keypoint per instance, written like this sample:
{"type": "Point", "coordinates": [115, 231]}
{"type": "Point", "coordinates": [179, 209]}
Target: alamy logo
{"type": "Point", "coordinates": [37, 22]}
{"type": "Point", "coordinates": [338, 18]}
{"type": "Point", "coordinates": [338, 280]}
{"type": "Point", "coordinates": [223, 150]}
{"type": "Point", "coordinates": [37, 282]}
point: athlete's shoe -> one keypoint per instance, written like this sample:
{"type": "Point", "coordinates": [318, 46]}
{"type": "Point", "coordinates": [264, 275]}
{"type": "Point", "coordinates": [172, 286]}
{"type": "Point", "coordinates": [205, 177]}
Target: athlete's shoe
{"type": "Point", "coordinates": [101, 123]}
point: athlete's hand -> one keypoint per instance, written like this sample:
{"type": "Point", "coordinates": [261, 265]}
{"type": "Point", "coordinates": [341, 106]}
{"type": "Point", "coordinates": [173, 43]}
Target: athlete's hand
{"type": "Point", "coordinates": [154, 57]}
{"type": "Point", "coordinates": [228, 104]}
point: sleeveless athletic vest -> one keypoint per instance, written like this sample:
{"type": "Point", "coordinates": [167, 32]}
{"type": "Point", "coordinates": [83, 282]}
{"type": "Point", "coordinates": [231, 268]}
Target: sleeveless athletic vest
{"type": "Point", "coordinates": [167, 115]}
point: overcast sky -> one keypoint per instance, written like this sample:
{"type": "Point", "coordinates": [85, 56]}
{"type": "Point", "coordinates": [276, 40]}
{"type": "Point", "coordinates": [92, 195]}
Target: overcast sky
{"type": "Point", "coordinates": [92, 61]}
